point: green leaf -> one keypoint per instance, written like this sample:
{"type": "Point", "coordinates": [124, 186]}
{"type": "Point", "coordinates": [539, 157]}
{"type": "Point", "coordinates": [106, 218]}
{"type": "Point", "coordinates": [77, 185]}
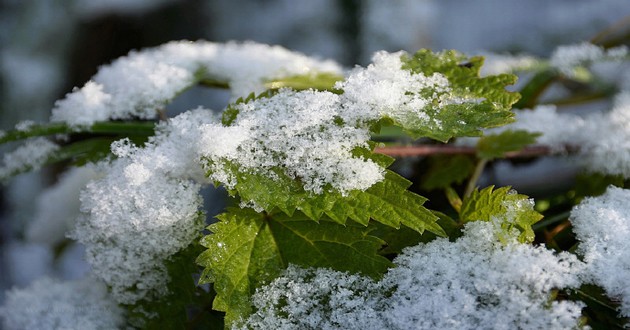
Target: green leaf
{"type": "Point", "coordinates": [595, 184]}
{"type": "Point", "coordinates": [176, 310]}
{"type": "Point", "coordinates": [231, 112]}
{"type": "Point", "coordinates": [390, 203]}
{"type": "Point", "coordinates": [322, 81]}
{"type": "Point", "coordinates": [497, 145]}
{"type": "Point", "coordinates": [535, 87]}
{"type": "Point", "coordinates": [387, 201]}
{"type": "Point", "coordinates": [398, 239]}
{"type": "Point", "coordinates": [128, 128]}
{"type": "Point", "coordinates": [514, 211]}
{"type": "Point", "coordinates": [484, 101]}
{"type": "Point", "coordinates": [444, 171]}
{"type": "Point", "coordinates": [248, 249]}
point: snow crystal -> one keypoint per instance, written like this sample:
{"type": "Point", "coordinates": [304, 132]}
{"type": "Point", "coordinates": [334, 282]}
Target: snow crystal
{"type": "Point", "coordinates": [473, 283]}
{"type": "Point", "coordinates": [84, 106]}
{"type": "Point", "coordinates": [478, 283]}
{"type": "Point", "coordinates": [298, 132]}
{"type": "Point", "coordinates": [50, 304]}
{"type": "Point", "coordinates": [31, 155]}
{"type": "Point", "coordinates": [145, 208]}
{"type": "Point", "coordinates": [129, 230]}
{"type": "Point", "coordinates": [24, 125]}
{"type": "Point", "coordinates": [384, 89]}
{"type": "Point", "coordinates": [26, 262]}
{"type": "Point", "coordinates": [138, 85]}
{"type": "Point", "coordinates": [602, 225]}
{"type": "Point", "coordinates": [603, 140]}
{"type": "Point", "coordinates": [566, 58]}
{"type": "Point", "coordinates": [316, 299]}
{"type": "Point", "coordinates": [495, 64]}
{"type": "Point", "coordinates": [57, 208]}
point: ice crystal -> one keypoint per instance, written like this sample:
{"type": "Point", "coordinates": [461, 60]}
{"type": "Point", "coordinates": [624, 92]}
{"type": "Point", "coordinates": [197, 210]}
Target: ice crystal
{"type": "Point", "coordinates": [602, 225]}
{"type": "Point", "coordinates": [57, 207]}
{"type": "Point", "coordinates": [476, 282]}
{"type": "Point", "coordinates": [144, 209]}
{"type": "Point", "coordinates": [298, 132]}
{"type": "Point", "coordinates": [384, 89]}
{"type": "Point", "coordinates": [31, 155]}
{"type": "Point", "coordinates": [606, 153]}
{"type": "Point", "coordinates": [566, 58]}
{"type": "Point", "coordinates": [50, 304]}
{"type": "Point", "coordinates": [138, 85]}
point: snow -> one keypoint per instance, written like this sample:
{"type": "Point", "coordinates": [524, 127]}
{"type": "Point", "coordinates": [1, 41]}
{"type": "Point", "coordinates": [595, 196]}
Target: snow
{"type": "Point", "coordinates": [30, 155]}
{"type": "Point", "coordinates": [602, 225]}
{"type": "Point", "coordinates": [51, 304]}
{"type": "Point", "coordinates": [57, 207]}
{"type": "Point", "coordinates": [144, 209]}
{"type": "Point", "coordinates": [566, 58]}
{"type": "Point", "coordinates": [143, 82]}
{"type": "Point", "coordinates": [475, 282]}
{"type": "Point", "coordinates": [385, 89]}
{"type": "Point", "coordinates": [297, 132]}
{"type": "Point", "coordinates": [602, 140]}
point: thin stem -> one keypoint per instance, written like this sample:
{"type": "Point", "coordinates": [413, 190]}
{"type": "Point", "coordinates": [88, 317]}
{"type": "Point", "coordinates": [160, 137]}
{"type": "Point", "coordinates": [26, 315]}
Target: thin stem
{"type": "Point", "coordinates": [472, 183]}
{"type": "Point", "coordinates": [428, 150]}
{"type": "Point", "coordinates": [124, 128]}
{"type": "Point", "coordinates": [551, 220]}
{"type": "Point", "coordinates": [602, 37]}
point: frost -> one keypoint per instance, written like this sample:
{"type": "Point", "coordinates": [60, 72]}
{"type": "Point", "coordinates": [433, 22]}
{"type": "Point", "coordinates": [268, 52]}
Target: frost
{"type": "Point", "coordinates": [602, 225]}
{"type": "Point", "coordinates": [295, 131]}
{"type": "Point", "coordinates": [57, 208]}
{"type": "Point", "coordinates": [31, 155]}
{"type": "Point", "coordinates": [138, 85]}
{"type": "Point", "coordinates": [473, 283]}
{"type": "Point", "coordinates": [384, 89]}
{"type": "Point", "coordinates": [50, 304]}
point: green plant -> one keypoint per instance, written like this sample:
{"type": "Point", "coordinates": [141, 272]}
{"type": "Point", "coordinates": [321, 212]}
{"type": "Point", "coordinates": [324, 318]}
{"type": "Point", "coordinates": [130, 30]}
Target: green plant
{"type": "Point", "coordinates": [312, 188]}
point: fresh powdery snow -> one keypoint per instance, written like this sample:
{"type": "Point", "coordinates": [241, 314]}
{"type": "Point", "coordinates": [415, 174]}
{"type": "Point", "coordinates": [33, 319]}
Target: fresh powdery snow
{"type": "Point", "coordinates": [57, 207]}
{"type": "Point", "coordinates": [144, 209]}
{"type": "Point", "coordinates": [33, 154]}
{"type": "Point", "coordinates": [385, 89]}
{"type": "Point", "coordinates": [602, 225]}
{"type": "Point", "coordinates": [602, 140]}
{"type": "Point", "coordinates": [51, 304]}
{"type": "Point", "coordinates": [473, 283]}
{"type": "Point", "coordinates": [566, 58]}
{"type": "Point", "coordinates": [296, 131]}
{"type": "Point", "coordinates": [140, 84]}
